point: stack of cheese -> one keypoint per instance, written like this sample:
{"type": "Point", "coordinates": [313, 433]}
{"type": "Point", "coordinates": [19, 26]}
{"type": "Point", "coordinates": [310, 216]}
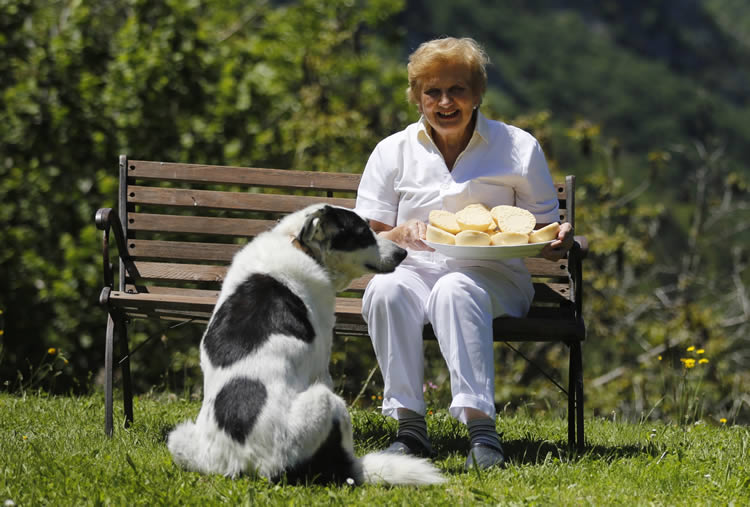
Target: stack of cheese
{"type": "Point", "coordinates": [476, 225]}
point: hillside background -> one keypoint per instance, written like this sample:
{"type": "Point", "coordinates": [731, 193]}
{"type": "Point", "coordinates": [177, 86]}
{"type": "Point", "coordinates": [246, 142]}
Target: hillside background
{"type": "Point", "coordinates": [647, 102]}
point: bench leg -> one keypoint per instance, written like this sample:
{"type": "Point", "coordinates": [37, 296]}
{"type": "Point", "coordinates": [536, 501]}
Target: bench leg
{"type": "Point", "coordinates": [575, 398]}
{"type": "Point", "coordinates": [116, 331]}
{"type": "Point", "coordinates": [571, 399]}
{"type": "Point", "coordinates": [109, 340]}
{"type": "Point", "coordinates": [127, 390]}
{"type": "Point", "coordinates": [578, 352]}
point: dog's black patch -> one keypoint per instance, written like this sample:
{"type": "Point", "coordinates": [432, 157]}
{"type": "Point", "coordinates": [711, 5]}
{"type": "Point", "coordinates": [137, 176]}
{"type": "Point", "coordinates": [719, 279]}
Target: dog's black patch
{"type": "Point", "coordinates": [259, 307]}
{"type": "Point", "coordinates": [237, 406]}
{"type": "Point", "coordinates": [330, 463]}
{"type": "Point", "coordinates": [352, 232]}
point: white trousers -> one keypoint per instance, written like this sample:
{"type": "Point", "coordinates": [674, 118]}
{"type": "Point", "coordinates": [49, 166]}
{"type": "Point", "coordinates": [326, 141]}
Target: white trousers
{"type": "Point", "coordinates": [460, 305]}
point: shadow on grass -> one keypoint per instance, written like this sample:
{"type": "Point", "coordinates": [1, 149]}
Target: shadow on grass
{"type": "Point", "coordinates": [375, 433]}
{"type": "Point", "coordinates": [532, 452]}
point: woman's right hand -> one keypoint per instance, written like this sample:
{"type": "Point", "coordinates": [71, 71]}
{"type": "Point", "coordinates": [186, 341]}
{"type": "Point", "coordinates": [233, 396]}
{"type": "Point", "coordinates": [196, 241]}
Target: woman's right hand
{"type": "Point", "coordinates": [407, 235]}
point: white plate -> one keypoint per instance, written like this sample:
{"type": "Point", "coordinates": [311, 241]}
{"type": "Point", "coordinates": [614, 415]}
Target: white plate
{"type": "Point", "coordinates": [488, 253]}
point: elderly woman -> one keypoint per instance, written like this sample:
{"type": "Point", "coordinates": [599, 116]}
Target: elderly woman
{"type": "Point", "coordinates": [453, 156]}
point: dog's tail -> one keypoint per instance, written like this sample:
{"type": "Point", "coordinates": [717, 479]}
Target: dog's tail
{"type": "Point", "coordinates": [391, 468]}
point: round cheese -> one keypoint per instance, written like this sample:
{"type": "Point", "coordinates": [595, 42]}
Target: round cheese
{"type": "Point", "coordinates": [509, 238]}
{"type": "Point", "coordinates": [472, 238]}
{"type": "Point", "coordinates": [513, 219]}
{"type": "Point", "coordinates": [474, 217]}
{"type": "Point", "coordinates": [444, 220]}
{"type": "Point", "coordinates": [546, 233]}
{"type": "Point", "coordinates": [439, 235]}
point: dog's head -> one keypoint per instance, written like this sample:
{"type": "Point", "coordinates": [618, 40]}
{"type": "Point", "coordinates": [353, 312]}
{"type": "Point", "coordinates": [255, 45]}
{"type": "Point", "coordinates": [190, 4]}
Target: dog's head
{"type": "Point", "coordinates": [343, 243]}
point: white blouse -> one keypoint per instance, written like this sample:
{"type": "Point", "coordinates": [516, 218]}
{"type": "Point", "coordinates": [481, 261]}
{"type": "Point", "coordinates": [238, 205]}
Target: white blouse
{"type": "Point", "coordinates": [406, 177]}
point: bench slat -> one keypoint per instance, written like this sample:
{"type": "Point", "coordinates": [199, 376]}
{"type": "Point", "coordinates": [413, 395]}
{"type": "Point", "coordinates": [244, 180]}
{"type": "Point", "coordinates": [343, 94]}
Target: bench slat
{"type": "Point", "coordinates": [251, 176]}
{"type": "Point", "coordinates": [190, 198]}
{"type": "Point", "coordinates": [182, 250]}
{"type": "Point", "coordinates": [147, 270]}
{"type": "Point", "coordinates": [165, 291]}
{"type": "Point", "coordinates": [223, 252]}
{"type": "Point", "coordinates": [142, 301]}
{"type": "Point", "coordinates": [536, 327]}
{"type": "Point", "coordinates": [545, 293]}
{"type": "Point", "coordinates": [166, 271]}
{"type": "Point", "coordinates": [241, 227]}
{"type": "Point", "coordinates": [541, 267]}
{"type": "Point", "coordinates": [563, 216]}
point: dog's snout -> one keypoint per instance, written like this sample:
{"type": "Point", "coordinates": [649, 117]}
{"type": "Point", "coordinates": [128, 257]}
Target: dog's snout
{"type": "Point", "coordinates": [390, 255]}
{"type": "Point", "coordinates": [400, 254]}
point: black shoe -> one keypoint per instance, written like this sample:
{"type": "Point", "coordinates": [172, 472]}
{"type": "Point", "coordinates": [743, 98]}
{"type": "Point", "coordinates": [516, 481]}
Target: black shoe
{"type": "Point", "coordinates": [410, 446]}
{"type": "Point", "coordinates": [485, 456]}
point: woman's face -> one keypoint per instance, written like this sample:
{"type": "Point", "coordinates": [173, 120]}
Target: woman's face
{"type": "Point", "coordinates": [447, 101]}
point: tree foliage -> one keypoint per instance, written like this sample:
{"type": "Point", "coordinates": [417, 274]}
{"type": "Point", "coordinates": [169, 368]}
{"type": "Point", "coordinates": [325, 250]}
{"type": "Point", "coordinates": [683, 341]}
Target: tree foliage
{"type": "Point", "coordinates": [304, 85]}
{"type": "Point", "coordinates": [654, 125]}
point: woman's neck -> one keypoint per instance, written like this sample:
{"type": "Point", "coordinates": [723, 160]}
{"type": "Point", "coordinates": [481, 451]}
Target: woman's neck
{"type": "Point", "coordinates": [452, 146]}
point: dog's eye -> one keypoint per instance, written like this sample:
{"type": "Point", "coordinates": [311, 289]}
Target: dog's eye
{"type": "Point", "coordinates": [353, 240]}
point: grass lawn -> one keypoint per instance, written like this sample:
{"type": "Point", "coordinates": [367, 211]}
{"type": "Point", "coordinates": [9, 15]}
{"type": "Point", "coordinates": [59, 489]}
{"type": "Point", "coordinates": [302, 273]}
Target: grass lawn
{"type": "Point", "coordinates": [53, 452]}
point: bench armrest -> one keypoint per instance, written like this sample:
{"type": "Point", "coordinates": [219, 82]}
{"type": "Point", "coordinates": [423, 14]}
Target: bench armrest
{"type": "Point", "coordinates": [107, 220]}
{"type": "Point", "coordinates": [583, 245]}
{"type": "Point", "coordinates": [575, 268]}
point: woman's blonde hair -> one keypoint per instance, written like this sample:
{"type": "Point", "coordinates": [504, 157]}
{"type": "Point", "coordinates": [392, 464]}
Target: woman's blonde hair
{"type": "Point", "coordinates": [437, 52]}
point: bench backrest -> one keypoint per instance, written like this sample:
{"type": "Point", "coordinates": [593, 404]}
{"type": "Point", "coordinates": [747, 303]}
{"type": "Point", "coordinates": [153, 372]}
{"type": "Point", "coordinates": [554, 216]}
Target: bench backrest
{"type": "Point", "coordinates": [184, 223]}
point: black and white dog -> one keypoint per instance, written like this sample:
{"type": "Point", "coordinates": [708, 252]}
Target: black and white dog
{"type": "Point", "coordinates": [268, 407]}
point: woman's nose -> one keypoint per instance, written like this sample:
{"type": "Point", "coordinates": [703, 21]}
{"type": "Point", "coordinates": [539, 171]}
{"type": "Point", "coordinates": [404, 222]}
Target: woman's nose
{"type": "Point", "coordinates": [445, 99]}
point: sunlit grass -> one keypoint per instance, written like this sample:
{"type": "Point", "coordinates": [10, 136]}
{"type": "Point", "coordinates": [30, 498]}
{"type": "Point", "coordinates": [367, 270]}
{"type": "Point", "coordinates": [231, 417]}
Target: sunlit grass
{"type": "Point", "coordinates": [53, 451]}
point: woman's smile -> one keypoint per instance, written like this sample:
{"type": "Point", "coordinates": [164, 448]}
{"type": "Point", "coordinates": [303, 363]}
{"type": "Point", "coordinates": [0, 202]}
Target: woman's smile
{"type": "Point", "coordinates": [447, 102]}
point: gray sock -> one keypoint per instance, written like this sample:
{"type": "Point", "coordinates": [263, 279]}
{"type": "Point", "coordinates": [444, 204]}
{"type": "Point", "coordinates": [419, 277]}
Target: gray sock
{"type": "Point", "coordinates": [483, 431]}
{"type": "Point", "coordinates": [413, 425]}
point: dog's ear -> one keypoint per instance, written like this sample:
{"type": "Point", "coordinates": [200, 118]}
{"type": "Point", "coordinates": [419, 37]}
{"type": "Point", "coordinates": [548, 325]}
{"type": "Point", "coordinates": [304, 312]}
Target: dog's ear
{"type": "Point", "coordinates": [312, 231]}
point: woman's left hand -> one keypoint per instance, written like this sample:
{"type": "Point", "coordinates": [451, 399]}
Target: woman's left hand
{"type": "Point", "coordinates": [564, 242]}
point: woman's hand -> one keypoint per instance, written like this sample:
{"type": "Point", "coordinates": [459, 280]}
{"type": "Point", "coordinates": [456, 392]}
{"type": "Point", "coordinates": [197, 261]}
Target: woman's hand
{"type": "Point", "coordinates": [564, 242]}
{"type": "Point", "coordinates": [407, 235]}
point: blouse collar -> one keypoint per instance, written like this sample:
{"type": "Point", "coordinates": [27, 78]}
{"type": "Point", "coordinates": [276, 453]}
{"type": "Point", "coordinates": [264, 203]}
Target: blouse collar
{"type": "Point", "coordinates": [481, 129]}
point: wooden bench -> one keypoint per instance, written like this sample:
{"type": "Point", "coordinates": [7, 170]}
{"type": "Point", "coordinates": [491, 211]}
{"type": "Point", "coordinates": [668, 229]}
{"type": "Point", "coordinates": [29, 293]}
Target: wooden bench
{"type": "Point", "coordinates": [177, 227]}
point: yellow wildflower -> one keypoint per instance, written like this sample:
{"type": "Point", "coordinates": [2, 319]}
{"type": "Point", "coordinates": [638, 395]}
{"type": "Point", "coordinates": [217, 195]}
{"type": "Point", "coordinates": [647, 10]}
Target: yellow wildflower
{"type": "Point", "coordinates": [2, 332]}
{"type": "Point", "coordinates": [700, 351]}
{"type": "Point", "coordinates": [659, 358]}
{"type": "Point", "coordinates": [688, 362]}
{"type": "Point", "coordinates": [723, 420]}
{"type": "Point", "coordinates": [703, 361]}
{"type": "Point", "coordinates": [51, 351]}
{"type": "Point", "coordinates": [691, 348]}
{"type": "Point", "coordinates": [25, 437]}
